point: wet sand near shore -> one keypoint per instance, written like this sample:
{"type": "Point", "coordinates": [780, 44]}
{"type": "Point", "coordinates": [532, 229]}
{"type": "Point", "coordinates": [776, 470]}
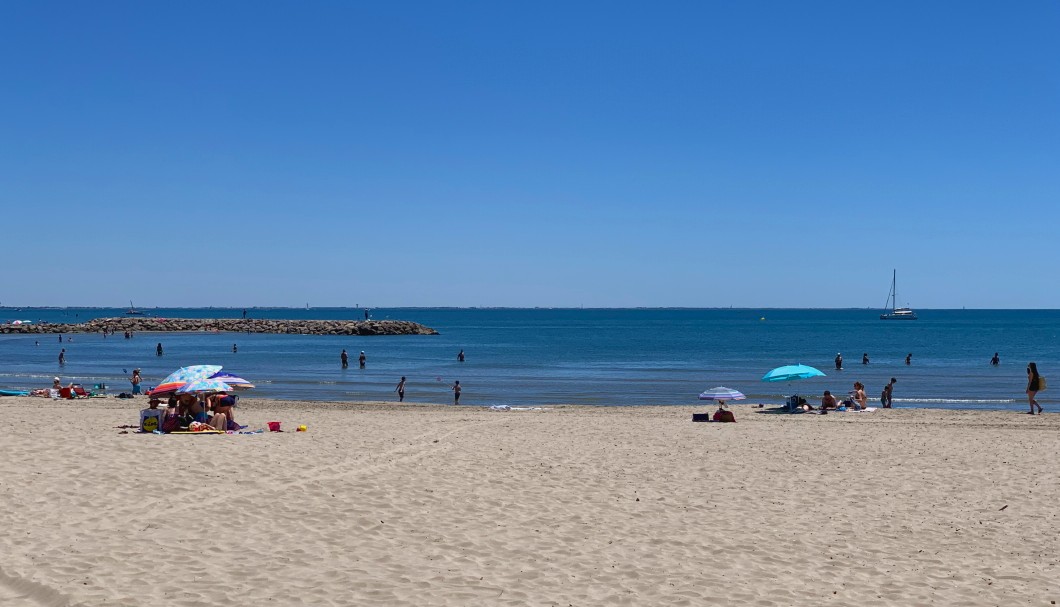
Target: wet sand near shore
{"type": "Point", "coordinates": [388, 504]}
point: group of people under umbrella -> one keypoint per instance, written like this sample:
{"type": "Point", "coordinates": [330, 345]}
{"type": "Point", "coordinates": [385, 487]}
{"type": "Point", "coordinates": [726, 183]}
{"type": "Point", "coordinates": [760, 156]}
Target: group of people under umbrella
{"type": "Point", "coordinates": [199, 399]}
{"type": "Point", "coordinates": [787, 373]}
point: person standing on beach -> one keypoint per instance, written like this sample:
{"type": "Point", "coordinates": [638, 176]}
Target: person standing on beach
{"type": "Point", "coordinates": [460, 357]}
{"type": "Point", "coordinates": [362, 359]}
{"type": "Point", "coordinates": [995, 360]}
{"type": "Point", "coordinates": [1034, 385]}
{"type": "Point", "coordinates": [62, 357]}
{"type": "Point", "coordinates": [401, 390]}
{"type": "Point", "coordinates": [158, 349]}
{"type": "Point", "coordinates": [865, 358]}
{"type": "Point", "coordinates": [887, 395]}
{"type": "Point", "coordinates": [136, 379]}
{"type": "Point", "coordinates": [908, 358]}
{"type": "Point", "coordinates": [456, 392]}
{"type": "Point", "coordinates": [345, 359]}
{"type": "Point", "coordinates": [838, 362]}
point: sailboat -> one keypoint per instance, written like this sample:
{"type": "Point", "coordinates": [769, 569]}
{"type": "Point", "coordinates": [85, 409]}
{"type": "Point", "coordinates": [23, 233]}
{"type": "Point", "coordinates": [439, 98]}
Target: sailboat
{"type": "Point", "coordinates": [896, 313]}
{"type": "Point", "coordinates": [132, 311]}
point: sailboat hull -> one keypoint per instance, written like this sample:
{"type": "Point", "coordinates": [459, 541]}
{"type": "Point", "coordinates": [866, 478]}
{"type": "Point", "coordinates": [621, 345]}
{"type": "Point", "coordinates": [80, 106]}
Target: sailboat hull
{"type": "Point", "coordinates": [898, 316]}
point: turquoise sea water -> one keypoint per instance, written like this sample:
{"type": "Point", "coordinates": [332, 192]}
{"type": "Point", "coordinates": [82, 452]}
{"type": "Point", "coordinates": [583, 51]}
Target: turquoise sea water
{"type": "Point", "coordinates": [598, 357]}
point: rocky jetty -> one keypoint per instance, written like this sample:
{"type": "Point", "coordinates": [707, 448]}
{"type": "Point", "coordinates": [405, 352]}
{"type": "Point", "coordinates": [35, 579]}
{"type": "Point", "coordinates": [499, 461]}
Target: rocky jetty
{"type": "Point", "coordinates": [138, 324]}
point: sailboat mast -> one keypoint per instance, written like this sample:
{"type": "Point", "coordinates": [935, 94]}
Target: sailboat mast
{"type": "Point", "coordinates": [894, 288]}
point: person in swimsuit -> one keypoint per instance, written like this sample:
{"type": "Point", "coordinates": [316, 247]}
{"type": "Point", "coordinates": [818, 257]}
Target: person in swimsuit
{"type": "Point", "coordinates": [456, 392]}
{"type": "Point", "coordinates": [460, 356]}
{"type": "Point", "coordinates": [136, 379]}
{"type": "Point", "coordinates": [860, 400]}
{"type": "Point", "coordinates": [838, 362]}
{"type": "Point", "coordinates": [345, 358]}
{"type": "Point", "coordinates": [158, 349]}
{"type": "Point", "coordinates": [888, 391]}
{"type": "Point", "coordinates": [909, 358]}
{"type": "Point", "coordinates": [62, 356]}
{"type": "Point", "coordinates": [865, 358]}
{"type": "Point", "coordinates": [828, 401]}
{"type": "Point", "coordinates": [362, 359]}
{"type": "Point", "coordinates": [995, 360]}
{"type": "Point", "coordinates": [1033, 385]}
{"type": "Point", "coordinates": [401, 390]}
{"type": "Point", "coordinates": [234, 349]}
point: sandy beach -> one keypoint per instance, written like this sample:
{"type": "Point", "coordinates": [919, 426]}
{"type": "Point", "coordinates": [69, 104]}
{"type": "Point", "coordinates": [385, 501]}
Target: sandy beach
{"type": "Point", "coordinates": [386, 504]}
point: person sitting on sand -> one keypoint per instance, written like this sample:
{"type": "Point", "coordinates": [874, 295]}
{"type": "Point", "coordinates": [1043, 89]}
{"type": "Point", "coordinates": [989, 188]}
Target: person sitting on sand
{"type": "Point", "coordinates": [223, 404]}
{"type": "Point", "coordinates": [721, 415]}
{"type": "Point", "coordinates": [860, 400]}
{"type": "Point", "coordinates": [828, 401]}
{"type": "Point", "coordinates": [57, 384]}
{"type": "Point", "coordinates": [189, 406]}
{"type": "Point", "coordinates": [151, 417]}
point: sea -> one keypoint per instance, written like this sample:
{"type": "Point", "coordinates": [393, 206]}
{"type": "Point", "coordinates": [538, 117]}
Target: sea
{"type": "Point", "coordinates": [537, 357]}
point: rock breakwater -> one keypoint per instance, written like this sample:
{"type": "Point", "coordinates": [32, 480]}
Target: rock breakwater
{"type": "Point", "coordinates": [235, 325]}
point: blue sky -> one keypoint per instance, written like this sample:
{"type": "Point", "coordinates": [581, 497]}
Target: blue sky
{"type": "Point", "coordinates": [537, 154]}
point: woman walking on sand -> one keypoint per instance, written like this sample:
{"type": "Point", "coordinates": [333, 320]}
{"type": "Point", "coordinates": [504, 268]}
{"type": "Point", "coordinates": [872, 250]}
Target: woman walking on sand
{"type": "Point", "coordinates": [136, 379]}
{"type": "Point", "coordinates": [401, 390]}
{"type": "Point", "coordinates": [1034, 384]}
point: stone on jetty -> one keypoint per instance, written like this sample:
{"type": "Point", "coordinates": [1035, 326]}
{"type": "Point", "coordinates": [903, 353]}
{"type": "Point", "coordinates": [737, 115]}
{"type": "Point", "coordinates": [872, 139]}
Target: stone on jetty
{"type": "Point", "coordinates": [141, 324]}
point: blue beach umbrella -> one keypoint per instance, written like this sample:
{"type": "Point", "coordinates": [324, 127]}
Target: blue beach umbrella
{"type": "Point", "coordinates": [722, 393]}
{"type": "Point", "coordinates": [790, 372]}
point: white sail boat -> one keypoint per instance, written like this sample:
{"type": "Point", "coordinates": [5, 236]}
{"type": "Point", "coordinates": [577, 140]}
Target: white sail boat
{"type": "Point", "coordinates": [132, 311]}
{"type": "Point", "coordinates": [896, 313]}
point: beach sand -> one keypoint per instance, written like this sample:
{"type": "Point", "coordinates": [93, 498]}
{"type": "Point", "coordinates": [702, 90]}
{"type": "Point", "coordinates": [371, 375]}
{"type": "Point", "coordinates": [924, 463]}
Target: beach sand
{"type": "Point", "coordinates": [386, 504]}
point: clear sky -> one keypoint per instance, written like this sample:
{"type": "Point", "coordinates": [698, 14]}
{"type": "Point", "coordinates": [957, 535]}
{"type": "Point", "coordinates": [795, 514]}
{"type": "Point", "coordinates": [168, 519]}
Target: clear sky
{"type": "Point", "coordinates": [530, 154]}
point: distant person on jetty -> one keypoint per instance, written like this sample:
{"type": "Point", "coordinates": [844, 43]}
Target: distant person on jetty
{"type": "Point", "coordinates": [909, 358]}
{"type": "Point", "coordinates": [838, 362]}
{"type": "Point", "coordinates": [158, 349]}
{"type": "Point", "coordinates": [401, 390]}
{"type": "Point", "coordinates": [887, 394]}
{"type": "Point", "coordinates": [366, 313]}
{"type": "Point", "coordinates": [362, 359]}
{"type": "Point", "coordinates": [136, 379]}
{"type": "Point", "coordinates": [456, 392]}
{"type": "Point", "coordinates": [865, 358]}
{"type": "Point", "coordinates": [345, 359]}
{"type": "Point", "coordinates": [1034, 385]}
{"type": "Point", "coordinates": [244, 313]}
{"type": "Point", "coordinates": [995, 360]}
{"type": "Point", "coordinates": [460, 356]}
{"type": "Point", "coordinates": [62, 356]}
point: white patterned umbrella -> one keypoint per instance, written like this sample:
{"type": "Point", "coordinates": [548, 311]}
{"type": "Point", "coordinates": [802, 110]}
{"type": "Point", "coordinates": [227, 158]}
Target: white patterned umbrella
{"type": "Point", "coordinates": [722, 393]}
